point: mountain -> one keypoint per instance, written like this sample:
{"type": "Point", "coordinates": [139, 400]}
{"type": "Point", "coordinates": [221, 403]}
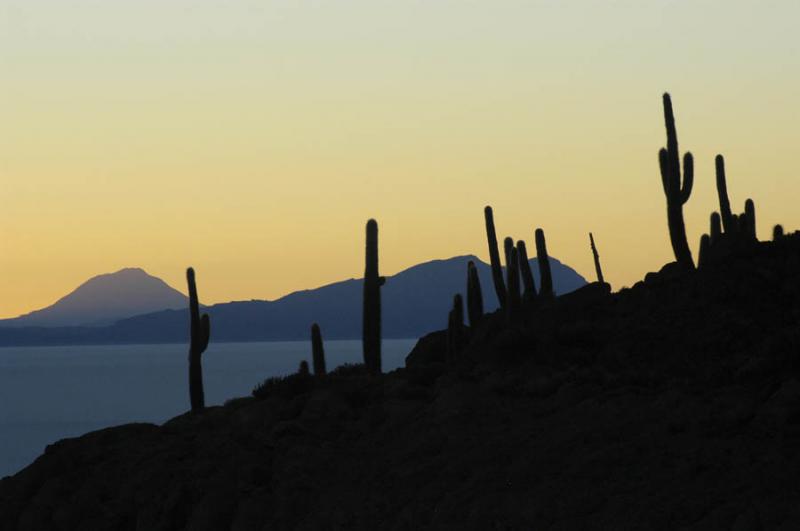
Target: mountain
{"type": "Point", "coordinates": [415, 302]}
{"type": "Point", "coordinates": [104, 299]}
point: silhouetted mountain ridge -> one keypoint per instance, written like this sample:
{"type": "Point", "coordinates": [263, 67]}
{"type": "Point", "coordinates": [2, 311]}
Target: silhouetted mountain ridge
{"type": "Point", "coordinates": [415, 301]}
{"type": "Point", "coordinates": [104, 299]}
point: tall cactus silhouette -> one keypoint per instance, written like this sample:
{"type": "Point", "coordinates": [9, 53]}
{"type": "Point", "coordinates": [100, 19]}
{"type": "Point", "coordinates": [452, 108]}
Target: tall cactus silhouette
{"type": "Point", "coordinates": [528, 284]}
{"type": "Point", "coordinates": [317, 351]}
{"type": "Point", "coordinates": [545, 276]}
{"type": "Point", "coordinates": [494, 257]}
{"type": "Point", "coordinates": [677, 193]}
{"type": "Point", "coordinates": [512, 275]}
{"type": "Point", "coordinates": [722, 192]}
{"type": "Point", "coordinates": [371, 333]}
{"type": "Point", "coordinates": [597, 268]}
{"type": "Point", "coordinates": [199, 334]}
{"type": "Point", "coordinates": [474, 295]}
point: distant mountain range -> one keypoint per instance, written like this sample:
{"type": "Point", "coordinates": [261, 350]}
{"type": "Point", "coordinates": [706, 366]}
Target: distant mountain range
{"type": "Point", "coordinates": [105, 299]}
{"type": "Point", "coordinates": [415, 301]}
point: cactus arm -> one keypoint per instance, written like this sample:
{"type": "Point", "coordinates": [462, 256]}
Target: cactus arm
{"type": "Point", "coordinates": [663, 164]}
{"type": "Point", "coordinates": [688, 177]}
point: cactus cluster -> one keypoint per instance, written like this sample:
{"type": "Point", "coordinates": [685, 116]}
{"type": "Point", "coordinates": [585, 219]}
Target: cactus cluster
{"type": "Point", "coordinates": [199, 333]}
{"type": "Point", "coordinates": [728, 231]}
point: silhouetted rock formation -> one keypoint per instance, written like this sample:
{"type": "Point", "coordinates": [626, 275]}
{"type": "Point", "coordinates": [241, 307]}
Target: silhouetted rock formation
{"type": "Point", "coordinates": [674, 404]}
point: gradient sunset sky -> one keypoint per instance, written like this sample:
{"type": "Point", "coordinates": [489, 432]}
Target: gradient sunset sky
{"type": "Point", "coordinates": [252, 139]}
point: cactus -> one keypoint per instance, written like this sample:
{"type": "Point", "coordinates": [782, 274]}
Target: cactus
{"type": "Point", "coordinates": [597, 268]}
{"type": "Point", "coordinates": [317, 351]}
{"type": "Point", "coordinates": [716, 228]}
{"type": "Point", "coordinates": [371, 332]}
{"type": "Point", "coordinates": [303, 369]}
{"type": "Point", "coordinates": [474, 295]}
{"type": "Point", "coordinates": [455, 328]}
{"type": "Point", "coordinates": [702, 255]}
{"type": "Point", "coordinates": [529, 285]}
{"type": "Point", "coordinates": [494, 257]}
{"type": "Point", "coordinates": [545, 276]}
{"type": "Point", "coordinates": [777, 232]}
{"type": "Point", "coordinates": [199, 333]}
{"type": "Point", "coordinates": [722, 192]}
{"type": "Point", "coordinates": [512, 274]}
{"type": "Point", "coordinates": [750, 212]}
{"type": "Point", "coordinates": [677, 194]}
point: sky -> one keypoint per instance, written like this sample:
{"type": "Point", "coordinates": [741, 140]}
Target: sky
{"type": "Point", "coordinates": [252, 139]}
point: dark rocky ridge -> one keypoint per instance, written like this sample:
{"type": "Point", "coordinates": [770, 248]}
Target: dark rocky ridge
{"type": "Point", "coordinates": [671, 405]}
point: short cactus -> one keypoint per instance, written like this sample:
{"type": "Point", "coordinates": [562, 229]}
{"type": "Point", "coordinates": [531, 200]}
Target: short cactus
{"type": "Point", "coordinates": [777, 232]}
{"type": "Point", "coordinates": [545, 276]}
{"type": "Point", "coordinates": [702, 255]}
{"type": "Point", "coordinates": [371, 333]}
{"type": "Point", "coordinates": [474, 295]}
{"type": "Point", "coordinates": [303, 369]}
{"type": "Point", "coordinates": [722, 192]}
{"type": "Point", "coordinates": [494, 257]}
{"type": "Point", "coordinates": [455, 329]}
{"type": "Point", "coordinates": [750, 212]}
{"type": "Point", "coordinates": [528, 283]}
{"type": "Point", "coordinates": [716, 228]}
{"type": "Point", "coordinates": [677, 193]}
{"type": "Point", "coordinates": [512, 275]}
{"type": "Point", "coordinates": [317, 351]}
{"type": "Point", "coordinates": [199, 333]}
{"type": "Point", "coordinates": [597, 268]}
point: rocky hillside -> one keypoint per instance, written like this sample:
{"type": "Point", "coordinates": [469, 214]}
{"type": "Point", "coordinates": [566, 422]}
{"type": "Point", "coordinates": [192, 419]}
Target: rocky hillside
{"type": "Point", "coordinates": [674, 404]}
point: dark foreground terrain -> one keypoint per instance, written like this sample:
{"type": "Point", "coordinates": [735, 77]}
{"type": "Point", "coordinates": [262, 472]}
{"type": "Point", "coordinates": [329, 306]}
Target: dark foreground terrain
{"type": "Point", "coordinates": [671, 405]}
